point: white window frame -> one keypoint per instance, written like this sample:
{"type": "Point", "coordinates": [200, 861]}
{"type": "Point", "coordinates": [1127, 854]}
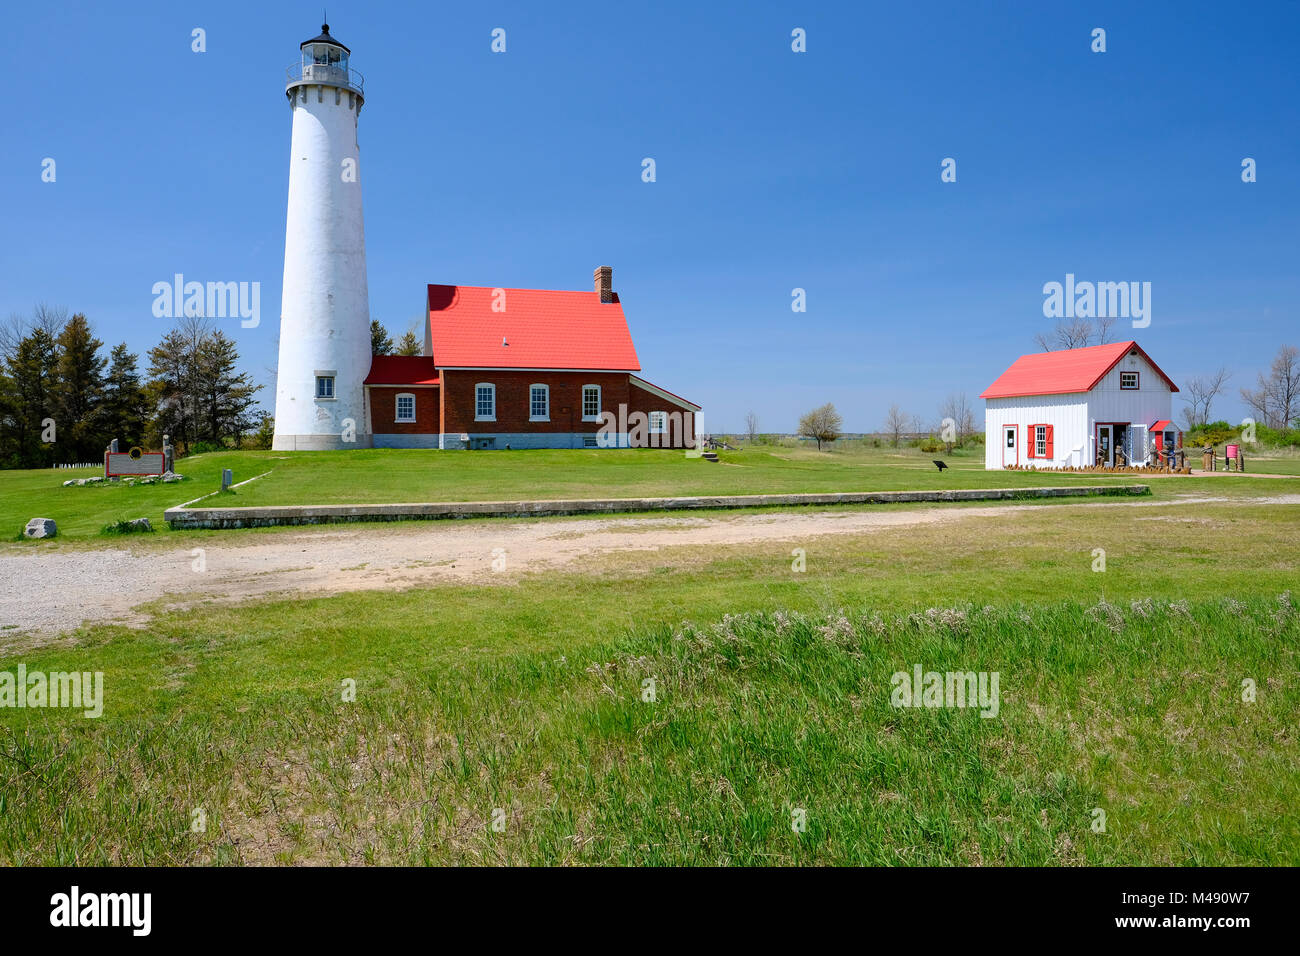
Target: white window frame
{"type": "Point", "coordinates": [546, 398]}
{"type": "Point", "coordinates": [1040, 441]}
{"type": "Point", "coordinates": [333, 380]}
{"type": "Point", "coordinates": [662, 419]}
{"type": "Point", "coordinates": [1137, 380]}
{"type": "Point", "coordinates": [397, 408]}
{"type": "Point", "coordinates": [492, 389]}
{"type": "Point", "coordinates": [599, 406]}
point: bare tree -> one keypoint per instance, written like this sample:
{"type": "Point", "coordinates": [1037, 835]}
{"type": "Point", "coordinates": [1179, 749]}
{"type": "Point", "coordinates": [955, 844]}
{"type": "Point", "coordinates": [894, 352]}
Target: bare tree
{"type": "Point", "coordinates": [957, 407]}
{"type": "Point", "coordinates": [13, 331]}
{"type": "Point", "coordinates": [1276, 400]}
{"type": "Point", "coordinates": [1076, 333]}
{"type": "Point", "coordinates": [895, 424]}
{"type": "Point", "coordinates": [1256, 400]}
{"type": "Point", "coordinates": [915, 426]}
{"type": "Point", "coordinates": [50, 319]}
{"type": "Point", "coordinates": [1199, 393]}
{"type": "Point", "coordinates": [1284, 385]}
{"type": "Point", "coordinates": [822, 424]}
{"type": "Point", "coordinates": [751, 425]}
{"type": "Point", "coordinates": [1072, 334]}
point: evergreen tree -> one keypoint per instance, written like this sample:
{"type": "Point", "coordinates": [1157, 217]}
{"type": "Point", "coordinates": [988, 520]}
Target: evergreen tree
{"type": "Point", "coordinates": [409, 344]}
{"type": "Point", "coordinates": [32, 376]}
{"type": "Point", "coordinates": [381, 343]}
{"type": "Point", "coordinates": [226, 397]}
{"type": "Point", "coordinates": [78, 393]}
{"type": "Point", "coordinates": [9, 427]}
{"type": "Point", "coordinates": [124, 399]}
{"type": "Point", "coordinates": [171, 392]}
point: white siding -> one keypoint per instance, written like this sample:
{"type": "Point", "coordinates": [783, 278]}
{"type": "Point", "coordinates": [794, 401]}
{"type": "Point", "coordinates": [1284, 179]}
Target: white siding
{"type": "Point", "coordinates": [1150, 402]}
{"type": "Point", "coordinates": [1067, 414]}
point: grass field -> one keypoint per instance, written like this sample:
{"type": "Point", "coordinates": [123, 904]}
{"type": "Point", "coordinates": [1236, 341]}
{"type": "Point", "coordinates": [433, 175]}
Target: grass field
{"type": "Point", "coordinates": [1120, 691]}
{"type": "Point", "coordinates": [356, 477]}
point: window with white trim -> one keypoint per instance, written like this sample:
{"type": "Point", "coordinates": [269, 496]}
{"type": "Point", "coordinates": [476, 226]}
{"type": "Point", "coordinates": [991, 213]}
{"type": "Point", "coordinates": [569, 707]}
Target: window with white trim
{"type": "Point", "coordinates": [485, 402]}
{"type": "Point", "coordinates": [324, 386]}
{"type": "Point", "coordinates": [539, 403]}
{"type": "Point", "coordinates": [591, 403]}
{"type": "Point", "coordinates": [658, 423]}
{"type": "Point", "coordinates": [1040, 441]}
{"type": "Point", "coordinates": [405, 407]}
{"type": "Point", "coordinates": [1128, 379]}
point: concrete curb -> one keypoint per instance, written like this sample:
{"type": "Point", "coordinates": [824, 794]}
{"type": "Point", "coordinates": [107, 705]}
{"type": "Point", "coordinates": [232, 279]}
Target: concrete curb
{"type": "Point", "coordinates": [268, 516]}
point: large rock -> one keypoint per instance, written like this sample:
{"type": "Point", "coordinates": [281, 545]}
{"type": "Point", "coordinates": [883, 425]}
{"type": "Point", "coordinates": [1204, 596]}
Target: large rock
{"type": "Point", "coordinates": [41, 528]}
{"type": "Point", "coordinates": [139, 524]}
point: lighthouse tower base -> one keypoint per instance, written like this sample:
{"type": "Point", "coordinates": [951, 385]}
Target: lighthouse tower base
{"type": "Point", "coordinates": [319, 443]}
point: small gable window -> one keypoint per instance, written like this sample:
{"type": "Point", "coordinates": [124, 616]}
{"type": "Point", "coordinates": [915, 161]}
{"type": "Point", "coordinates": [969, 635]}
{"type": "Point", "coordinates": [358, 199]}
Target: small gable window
{"type": "Point", "coordinates": [1128, 380]}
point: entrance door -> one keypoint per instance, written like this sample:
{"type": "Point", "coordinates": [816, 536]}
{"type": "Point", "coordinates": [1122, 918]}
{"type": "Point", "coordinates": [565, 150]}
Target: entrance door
{"type": "Point", "coordinates": [1106, 445]}
{"type": "Point", "coordinates": [1010, 453]}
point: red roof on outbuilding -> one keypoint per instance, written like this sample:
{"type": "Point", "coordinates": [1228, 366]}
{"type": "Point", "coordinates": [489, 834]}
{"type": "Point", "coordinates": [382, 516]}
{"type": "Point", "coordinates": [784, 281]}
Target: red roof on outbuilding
{"type": "Point", "coordinates": [401, 370]}
{"type": "Point", "coordinates": [1069, 370]}
{"type": "Point", "coordinates": [481, 327]}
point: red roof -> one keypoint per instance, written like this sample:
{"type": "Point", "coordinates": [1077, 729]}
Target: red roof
{"type": "Point", "coordinates": [1160, 425]}
{"type": "Point", "coordinates": [1070, 370]}
{"type": "Point", "coordinates": [401, 370]}
{"type": "Point", "coordinates": [531, 328]}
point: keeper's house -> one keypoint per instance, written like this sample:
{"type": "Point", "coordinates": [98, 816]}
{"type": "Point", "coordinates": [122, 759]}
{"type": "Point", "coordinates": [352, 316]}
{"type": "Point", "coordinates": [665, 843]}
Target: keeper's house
{"type": "Point", "coordinates": [523, 368]}
{"type": "Point", "coordinates": [1108, 404]}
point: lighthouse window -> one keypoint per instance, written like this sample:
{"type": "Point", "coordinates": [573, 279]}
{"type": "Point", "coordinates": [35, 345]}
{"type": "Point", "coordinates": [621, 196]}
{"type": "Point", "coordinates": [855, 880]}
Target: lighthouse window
{"type": "Point", "coordinates": [485, 403]}
{"type": "Point", "coordinates": [406, 408]}
{"type": "Point", "coordinates": [324, 386]}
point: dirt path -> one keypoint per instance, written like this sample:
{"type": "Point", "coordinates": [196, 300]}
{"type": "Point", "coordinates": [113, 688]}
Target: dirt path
{"type": "Point", "coordinates": [44, 594]}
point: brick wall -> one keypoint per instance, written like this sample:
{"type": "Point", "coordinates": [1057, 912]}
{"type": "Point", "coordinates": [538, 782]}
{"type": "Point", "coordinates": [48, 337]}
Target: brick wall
{"type": "Point", "coordinates": [513, 394]}
{"type": "Point", "coordinates": [641, 400]}
{"type": "Point", "coordinates": [383, 411]}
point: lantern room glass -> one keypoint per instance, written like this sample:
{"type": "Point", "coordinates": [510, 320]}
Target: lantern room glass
{"type": "Point", "coordinates": [324, 54]}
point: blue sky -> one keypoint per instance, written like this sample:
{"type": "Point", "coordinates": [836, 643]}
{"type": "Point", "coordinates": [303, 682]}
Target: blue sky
{"type": "Point", "coordinates": [775, 170]}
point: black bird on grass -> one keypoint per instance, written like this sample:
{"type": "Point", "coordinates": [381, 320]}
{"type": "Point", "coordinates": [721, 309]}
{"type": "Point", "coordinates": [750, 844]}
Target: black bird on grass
{"type": "Point", "coordinates": [941, 465]}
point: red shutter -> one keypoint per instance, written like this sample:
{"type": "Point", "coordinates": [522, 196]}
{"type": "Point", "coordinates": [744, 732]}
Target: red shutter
{"type": "Point", "coordinates": [1029, 445]}
{"type": "Point", "coordinates": [1049, 442]}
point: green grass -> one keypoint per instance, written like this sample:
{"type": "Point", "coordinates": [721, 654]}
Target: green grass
{"type": "Point", "coordinates": [369, 476]}
{"type": "Point", "coordinates": [1120, 691]}
{"type": "Point", "coordinates": [1134, 711]}
{"type": "Point", "coordinates": [1272, 466]}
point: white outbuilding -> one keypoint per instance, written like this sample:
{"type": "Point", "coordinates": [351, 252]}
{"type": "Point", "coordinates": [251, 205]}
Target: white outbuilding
{"type": "Point", "coordinates": [1107, 404]}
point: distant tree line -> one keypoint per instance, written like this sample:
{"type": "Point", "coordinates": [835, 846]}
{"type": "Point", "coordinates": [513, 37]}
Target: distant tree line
{"type": "Point", "coordinates": [62, 400]}
{"type": "Point", "coordinates": [381, 343]}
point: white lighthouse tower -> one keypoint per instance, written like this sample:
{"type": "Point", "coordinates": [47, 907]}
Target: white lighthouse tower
{"type": "Point", "coordinates": [325, 310]}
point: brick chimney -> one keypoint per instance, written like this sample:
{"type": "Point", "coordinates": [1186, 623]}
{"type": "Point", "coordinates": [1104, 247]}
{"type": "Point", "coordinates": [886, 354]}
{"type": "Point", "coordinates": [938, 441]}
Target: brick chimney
{"type": "Point", "coordinates": [604, 276]}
